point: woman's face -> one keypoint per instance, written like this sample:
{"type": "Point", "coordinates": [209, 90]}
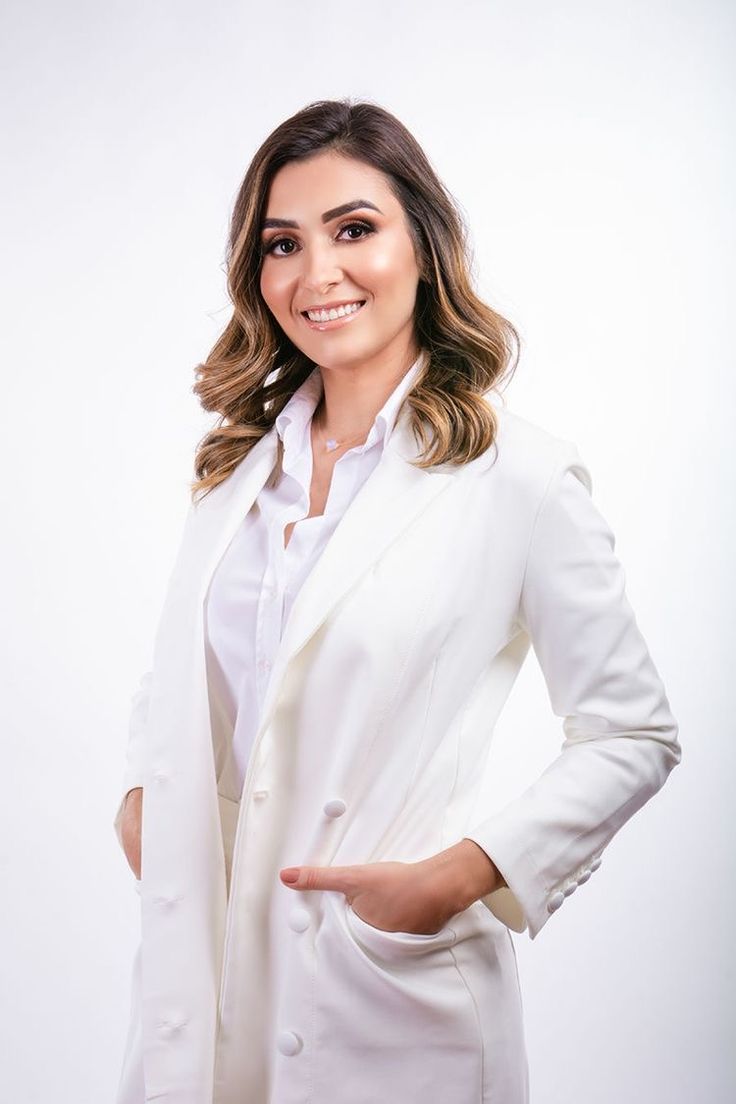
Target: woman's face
{"type": "Point", "coordinates": [324, 257]}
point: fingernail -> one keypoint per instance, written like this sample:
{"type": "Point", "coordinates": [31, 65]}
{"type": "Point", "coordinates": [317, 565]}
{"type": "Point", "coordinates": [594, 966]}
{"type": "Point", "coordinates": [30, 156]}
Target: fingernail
{"type": "Point", "coordinates": [291, 874]}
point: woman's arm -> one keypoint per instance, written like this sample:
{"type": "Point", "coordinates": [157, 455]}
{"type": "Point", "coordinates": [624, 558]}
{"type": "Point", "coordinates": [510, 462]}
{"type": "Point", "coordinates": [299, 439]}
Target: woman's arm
{"type": "Point", "coordinates": [621, 739]}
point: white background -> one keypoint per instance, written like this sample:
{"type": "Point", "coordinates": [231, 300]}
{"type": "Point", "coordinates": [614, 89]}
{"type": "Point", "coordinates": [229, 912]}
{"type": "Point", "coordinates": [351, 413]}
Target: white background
{"type": "Point", "coordinates": [590, 147]}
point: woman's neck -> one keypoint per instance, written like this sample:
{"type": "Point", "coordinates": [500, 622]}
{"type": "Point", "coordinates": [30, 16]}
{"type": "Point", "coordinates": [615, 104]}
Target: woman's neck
{"type": "Point", "coordinates": [351, 398]}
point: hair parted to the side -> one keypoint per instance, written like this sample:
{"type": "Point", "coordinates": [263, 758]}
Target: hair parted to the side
{"type": "Point", "coordinates": [471, 349]}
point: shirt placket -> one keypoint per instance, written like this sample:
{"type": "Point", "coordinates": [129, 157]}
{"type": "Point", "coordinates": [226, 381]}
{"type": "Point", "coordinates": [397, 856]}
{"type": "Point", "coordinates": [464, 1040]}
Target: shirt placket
{"type": "Point", "coordinates": [270, 606]}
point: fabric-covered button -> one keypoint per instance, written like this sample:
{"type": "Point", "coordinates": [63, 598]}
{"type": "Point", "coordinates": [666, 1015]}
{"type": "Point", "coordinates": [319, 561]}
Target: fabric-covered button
{"type": "Point", "coordinates": [258, 795]}
{"type": "Point", "coordinates": [335, 808]}
{"type": "Point", "coordinates": [555, 901]}
{"type": "Point", "coordinates": [583, 876]}
{"type": "Point", "coordinates": [299, 919]}
{"type": "Point", "coordinates": [165, 901]}
{"type": "Point", "coordinates": [595, 864]}
{"type": "Point", "coordinates": [170, 1027]}
{"type": "Point", "coordinates": [289, 1042]}
{"type": "Point", "coordinates": [570, 889]}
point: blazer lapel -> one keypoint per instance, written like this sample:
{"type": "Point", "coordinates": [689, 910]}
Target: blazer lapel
{"type": "Point", "coordinates": [393, 496]}
{"type": "Point", "coordinates": [214, 520]}
{"type": "Point", "coordinates": [390, 500]}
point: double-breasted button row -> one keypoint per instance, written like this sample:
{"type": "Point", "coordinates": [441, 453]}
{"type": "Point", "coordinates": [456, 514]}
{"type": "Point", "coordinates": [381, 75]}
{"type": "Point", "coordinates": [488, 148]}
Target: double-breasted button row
{"type": "Point", "coordinates": [290, 1043]}
{"type": "Point", "coordinates": [299, 918]}
{"type": "Point", "coordinates": [571, 884]}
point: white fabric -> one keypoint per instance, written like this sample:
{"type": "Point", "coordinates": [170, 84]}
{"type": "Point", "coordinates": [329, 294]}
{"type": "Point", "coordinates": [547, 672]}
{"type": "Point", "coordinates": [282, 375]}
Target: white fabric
{"type": "Point", "coordinates": [394, 664]}
{"type": "Point", "coordinates": [257, 580]}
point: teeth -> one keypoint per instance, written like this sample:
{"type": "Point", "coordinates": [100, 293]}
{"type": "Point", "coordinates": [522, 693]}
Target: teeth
{"type": "Point", "coordinates": [338, 312]}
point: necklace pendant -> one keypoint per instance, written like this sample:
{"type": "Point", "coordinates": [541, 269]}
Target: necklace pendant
{"type": "Point", "coordinates": [331, 444]}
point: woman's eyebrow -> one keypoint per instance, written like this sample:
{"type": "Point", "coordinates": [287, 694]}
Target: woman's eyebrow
{"type": "Point", "coordinates": [334, 213]}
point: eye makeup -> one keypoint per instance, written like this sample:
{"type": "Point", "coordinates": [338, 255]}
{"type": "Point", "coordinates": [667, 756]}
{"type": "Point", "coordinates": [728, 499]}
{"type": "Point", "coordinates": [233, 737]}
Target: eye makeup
{"type": "Point", "coordinates": [368, 228]}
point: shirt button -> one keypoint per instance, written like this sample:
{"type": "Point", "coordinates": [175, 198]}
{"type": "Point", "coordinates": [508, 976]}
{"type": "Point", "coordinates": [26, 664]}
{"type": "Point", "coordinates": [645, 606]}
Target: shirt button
{"type": "Point", "coordinates": [335, 808]}
{"type": "Point", "coordinates": [258, 795]}
{"type": "Point", "coordinates": [299, 919]}
{"type": "Point", "coordinates": [570, 889]}
{"type": "Point", "coordinates": [289, 1042]}
{"type": "Point", "coordinates": [583, 877]}
{"type": "Point", "coordinates": [595, 864]}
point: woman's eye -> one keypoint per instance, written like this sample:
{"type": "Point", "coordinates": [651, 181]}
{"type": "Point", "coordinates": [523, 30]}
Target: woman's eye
{"type": "Point", "coordinates": [270, 247]}
{"type": "Point", "coordinates": [366, 228]}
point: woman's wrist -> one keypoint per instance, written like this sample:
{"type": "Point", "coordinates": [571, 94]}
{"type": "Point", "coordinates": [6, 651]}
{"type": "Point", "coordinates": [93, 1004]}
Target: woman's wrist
{"type": "Point", "coordinates": [468, 874]}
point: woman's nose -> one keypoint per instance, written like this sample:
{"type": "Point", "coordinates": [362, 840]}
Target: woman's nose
{"type": "Point", "coordinates": [319, 272]}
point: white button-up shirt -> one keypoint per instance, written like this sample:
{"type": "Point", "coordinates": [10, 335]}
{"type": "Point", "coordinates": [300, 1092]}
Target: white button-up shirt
{"type": "Point", "coordinates": [257, 579]}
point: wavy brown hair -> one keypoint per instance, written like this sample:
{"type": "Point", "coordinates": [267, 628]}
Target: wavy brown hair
{"type": "Point", "coordinates": [254, 368]}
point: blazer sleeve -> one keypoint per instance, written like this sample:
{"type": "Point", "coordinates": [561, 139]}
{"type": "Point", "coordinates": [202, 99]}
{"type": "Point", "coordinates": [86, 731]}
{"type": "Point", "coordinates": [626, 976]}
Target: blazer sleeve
{"type": "Point", "coordinates": [620, 737]}
{"type": "Point", "coordinates": [135, 752]}
{"type": "Point", "coordinates": [133, 775]}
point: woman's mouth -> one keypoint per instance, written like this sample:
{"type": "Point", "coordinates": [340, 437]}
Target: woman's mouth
{"type": "Point", "coordinates": [333, 319]}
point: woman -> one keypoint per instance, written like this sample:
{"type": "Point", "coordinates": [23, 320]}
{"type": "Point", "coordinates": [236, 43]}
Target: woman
{"type": "Point", "coordinates": [377, 542]}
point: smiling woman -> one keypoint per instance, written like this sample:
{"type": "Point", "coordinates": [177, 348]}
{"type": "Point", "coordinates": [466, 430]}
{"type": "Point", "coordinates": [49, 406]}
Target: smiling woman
{"type": "Point", "coordinates": [373, 544]}
{"type": "Point", "coordinates": [372, 272]}
{"type": "Point", "coordinates": [350, 214]}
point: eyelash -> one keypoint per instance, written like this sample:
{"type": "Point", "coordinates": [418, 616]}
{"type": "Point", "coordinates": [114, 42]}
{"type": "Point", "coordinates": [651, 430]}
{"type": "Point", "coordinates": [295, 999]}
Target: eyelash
{"type": "Point", "coordinates": [367, 226]}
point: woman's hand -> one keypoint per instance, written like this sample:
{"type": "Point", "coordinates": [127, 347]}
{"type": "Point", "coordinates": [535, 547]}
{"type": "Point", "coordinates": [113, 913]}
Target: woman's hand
{"type": "Point", "coordinates": [418, 897]}
{"type": "Point", "coordinates": [130, 828]}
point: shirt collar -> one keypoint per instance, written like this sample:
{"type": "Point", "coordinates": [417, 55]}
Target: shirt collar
{"type": "Point", "coordinates": [292, 423]}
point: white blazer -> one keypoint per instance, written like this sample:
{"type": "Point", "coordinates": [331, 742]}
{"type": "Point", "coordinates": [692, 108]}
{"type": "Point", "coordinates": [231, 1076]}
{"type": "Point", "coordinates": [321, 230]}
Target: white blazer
{"type": "Point", "coordinates": [398, 656]}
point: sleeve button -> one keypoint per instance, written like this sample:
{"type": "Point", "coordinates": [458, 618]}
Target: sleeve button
{"type": "Point", "coordinates": [555, 901]}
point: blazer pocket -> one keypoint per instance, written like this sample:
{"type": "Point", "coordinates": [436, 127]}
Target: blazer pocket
{"type": "Point", "coordinates": [394, 946]}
